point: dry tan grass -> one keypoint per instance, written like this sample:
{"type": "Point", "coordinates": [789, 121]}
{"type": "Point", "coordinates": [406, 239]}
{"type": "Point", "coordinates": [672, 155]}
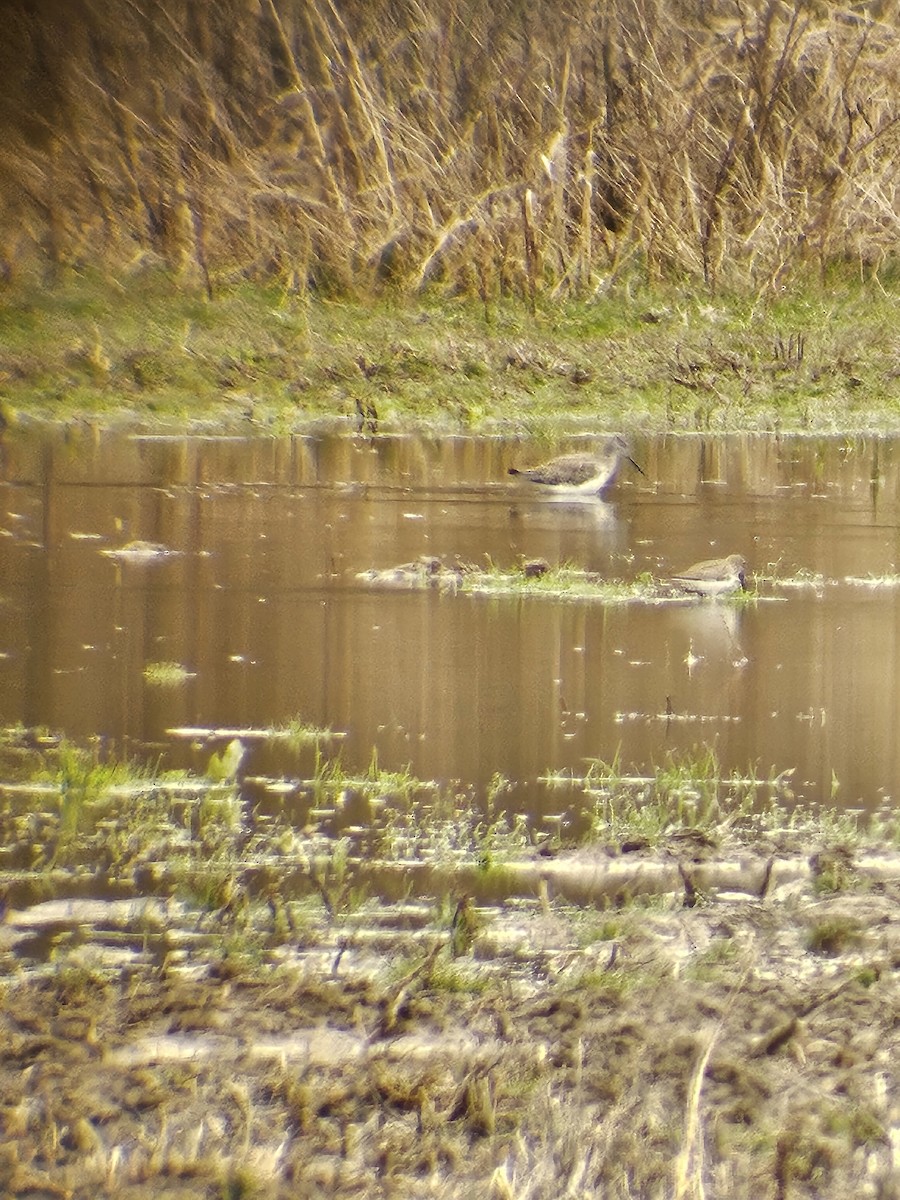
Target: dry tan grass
{"type": "Point", "coordinates": [489, 147]}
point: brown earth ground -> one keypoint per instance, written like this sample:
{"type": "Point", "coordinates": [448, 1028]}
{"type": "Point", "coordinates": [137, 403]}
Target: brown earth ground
{"type": "Point", "coordinates": [686, 1041]}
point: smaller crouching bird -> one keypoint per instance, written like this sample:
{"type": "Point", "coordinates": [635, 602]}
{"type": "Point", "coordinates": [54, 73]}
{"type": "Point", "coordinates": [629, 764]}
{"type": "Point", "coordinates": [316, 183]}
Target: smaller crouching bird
{"type": "Point", "coordinates": [713, 576]}
{"type": "Point", "coordinates": [587, 474]}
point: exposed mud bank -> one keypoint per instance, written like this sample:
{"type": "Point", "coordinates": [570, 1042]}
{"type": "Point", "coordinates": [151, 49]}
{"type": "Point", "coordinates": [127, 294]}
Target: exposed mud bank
{"type": "Point", "coordinates": [689, 1038]}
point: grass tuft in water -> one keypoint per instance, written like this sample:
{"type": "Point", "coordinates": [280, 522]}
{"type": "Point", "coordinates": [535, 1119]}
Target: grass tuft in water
{"type": "Point", "coordinates": [167, 674]}
{"type": "Point", "coordinates": [688, 792]}
{"type": "Point", "coordinates": [564, 582]}
{"type": "Point", "coordinates": [298, 733]}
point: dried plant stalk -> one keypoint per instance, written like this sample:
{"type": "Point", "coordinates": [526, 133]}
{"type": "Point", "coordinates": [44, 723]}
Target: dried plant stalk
{"type": "Point", "coordinates": [535, 149]}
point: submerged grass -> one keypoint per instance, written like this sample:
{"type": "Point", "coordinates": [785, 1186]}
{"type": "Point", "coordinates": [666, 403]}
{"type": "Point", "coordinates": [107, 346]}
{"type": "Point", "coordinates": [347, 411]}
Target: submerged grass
{"type": "Point", "coordinates": [565, 582]}
{"type": "Point", "coordinates": [689, 793]}
{"type": "Point", "coordinates": [166, 674]}
{"type": "Point", "coordinates": [298, 733]}
{"type": "Point", "coordinates": [198, 838]}
{"type": "Point", "coordinates": [536, 578]}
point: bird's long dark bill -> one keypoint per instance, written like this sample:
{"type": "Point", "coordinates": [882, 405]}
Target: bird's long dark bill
{"type": "Point", "coordinates": [634, 464]}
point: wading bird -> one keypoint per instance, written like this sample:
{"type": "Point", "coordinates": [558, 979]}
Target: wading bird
{"type": "Point", "coordinates": [713, 576]}
{"type": "Point", "coordinates": [584, 473]}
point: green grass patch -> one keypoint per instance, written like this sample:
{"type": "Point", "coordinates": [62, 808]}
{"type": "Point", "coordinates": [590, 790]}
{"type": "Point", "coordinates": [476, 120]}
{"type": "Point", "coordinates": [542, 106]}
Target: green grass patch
{"type": "Point", "coordinates": [833, 935]}
{"type": "Point", "coordinates": [260, 360]}
{"type": "Point", "coordinates": [686, 792]}
{"type": "Point", "coordinates": [560, 583]}
{"type": "Point", "coordinates": [166, 674]}
{"type": "Point", "coordinates": [298, 733]}
{"type": "Point", "coordinates": [74, 809]}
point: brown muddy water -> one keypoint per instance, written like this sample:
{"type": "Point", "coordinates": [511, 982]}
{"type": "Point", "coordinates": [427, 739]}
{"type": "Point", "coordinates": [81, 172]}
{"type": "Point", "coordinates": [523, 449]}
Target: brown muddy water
{"type": "Point", "coordinates": [258, 596]}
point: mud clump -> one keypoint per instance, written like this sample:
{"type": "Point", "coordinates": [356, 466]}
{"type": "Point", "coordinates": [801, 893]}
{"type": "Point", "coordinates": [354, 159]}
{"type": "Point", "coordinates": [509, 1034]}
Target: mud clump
{"type": "Point", "coordinates": [636, 1053]}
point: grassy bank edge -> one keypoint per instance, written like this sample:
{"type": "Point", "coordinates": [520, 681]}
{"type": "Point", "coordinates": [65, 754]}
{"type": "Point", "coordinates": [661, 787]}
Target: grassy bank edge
{"type": "Point", "coordinates": [142, 352]}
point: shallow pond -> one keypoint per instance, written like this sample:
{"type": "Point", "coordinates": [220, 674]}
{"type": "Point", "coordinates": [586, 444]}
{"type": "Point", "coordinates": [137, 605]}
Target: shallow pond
{"type": "Point", "coordinates": [259, 597]}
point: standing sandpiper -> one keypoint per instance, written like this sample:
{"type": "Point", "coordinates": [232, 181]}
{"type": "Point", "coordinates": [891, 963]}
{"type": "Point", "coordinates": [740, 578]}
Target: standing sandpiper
{"type": "Point", "coordinates": [713, 576]}
{"type": "Point", "coordinates": [587, 474]}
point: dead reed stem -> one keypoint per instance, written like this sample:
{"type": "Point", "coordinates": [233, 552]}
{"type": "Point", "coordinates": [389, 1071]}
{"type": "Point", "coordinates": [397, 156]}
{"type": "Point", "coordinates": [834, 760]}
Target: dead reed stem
{"type": "Point", "coordinates": [480, 147]}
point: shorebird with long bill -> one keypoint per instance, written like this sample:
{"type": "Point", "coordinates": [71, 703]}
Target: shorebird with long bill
{"type": "Point", "coordinates": [584, 473]}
